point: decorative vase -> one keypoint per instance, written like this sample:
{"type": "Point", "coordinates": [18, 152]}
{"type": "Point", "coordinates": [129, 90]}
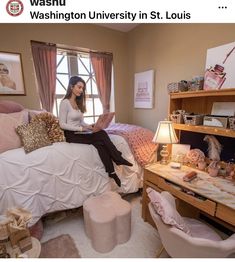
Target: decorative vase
{"type": "Point", "coordinates": [213, 171]}
{"type": "Point", "coordinates": [213, 168]}
{"type": "Point", "coordinates": [229, 168]}
{"type": "Point", "coordinates": [201, 165]}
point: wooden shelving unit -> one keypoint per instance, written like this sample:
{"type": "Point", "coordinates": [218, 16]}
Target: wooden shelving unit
{"type": "Point", "coordinates": [203, 93]}
{"type": "Point", "coordinates": [201, 102]}
{"type": "Point", "coordinates": [206, 130]}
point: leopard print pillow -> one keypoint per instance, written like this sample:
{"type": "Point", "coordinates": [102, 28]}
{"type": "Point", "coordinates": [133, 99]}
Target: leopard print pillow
{"type": "Point", "coordinates": [55, 133]}
{"type": "Point", "coordinates": [33, 136]}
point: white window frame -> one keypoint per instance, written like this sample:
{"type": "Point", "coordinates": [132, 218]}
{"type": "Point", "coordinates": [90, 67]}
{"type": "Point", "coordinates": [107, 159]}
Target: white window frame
{"type": "Point", "coordinates": [72, 57]}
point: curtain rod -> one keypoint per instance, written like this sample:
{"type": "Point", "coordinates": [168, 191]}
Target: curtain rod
{"type": "Point", "coordinates": [78, 49]}
{"type": "Point", "coordinates": [39, 42]}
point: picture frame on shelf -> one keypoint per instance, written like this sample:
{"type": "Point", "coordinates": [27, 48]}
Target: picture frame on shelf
{"type": "Point", "coordinates": [143, 89]}
{"type": "Point", "coordinates": [11, 74]}
{"type": "Point", "coordinates": [179, 151]}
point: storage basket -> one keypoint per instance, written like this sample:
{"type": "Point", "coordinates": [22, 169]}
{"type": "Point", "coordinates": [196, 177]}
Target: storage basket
{"type": "Point", "coordinates": [194, 120]}
{"type": "Point", "coordinates": [196, 85]}
{"type": "Point", "coordinates": [177, 118]}
{"type": "Point", "coordinates": [219, 121]}
{"type": "Point", "coordinates": [177, 87]}
{"type": "Point", "coordinates": [231, 122]}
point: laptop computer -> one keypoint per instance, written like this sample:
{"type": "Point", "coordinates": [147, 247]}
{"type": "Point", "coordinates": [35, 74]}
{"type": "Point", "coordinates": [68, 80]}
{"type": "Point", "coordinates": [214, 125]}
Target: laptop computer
{"type": "Point", "coordinates": [102, 122]}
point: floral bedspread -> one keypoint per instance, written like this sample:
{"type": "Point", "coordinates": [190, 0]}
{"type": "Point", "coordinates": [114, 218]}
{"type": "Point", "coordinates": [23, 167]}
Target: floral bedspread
{"type": "Point", "coordinates": [139, 140]}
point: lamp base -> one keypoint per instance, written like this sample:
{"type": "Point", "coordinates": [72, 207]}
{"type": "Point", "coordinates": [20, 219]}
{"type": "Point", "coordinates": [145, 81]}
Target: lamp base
{"type": "Point", "coordinates": [164, 154]}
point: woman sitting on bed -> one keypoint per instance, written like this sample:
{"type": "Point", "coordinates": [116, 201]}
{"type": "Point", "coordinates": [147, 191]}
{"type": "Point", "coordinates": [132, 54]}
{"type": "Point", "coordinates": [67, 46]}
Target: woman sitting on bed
{"type": "Point", "coordinates": [71, 120]}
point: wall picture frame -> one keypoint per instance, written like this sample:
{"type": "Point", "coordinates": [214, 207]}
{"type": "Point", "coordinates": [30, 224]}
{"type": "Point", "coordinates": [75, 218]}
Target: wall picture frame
{"type": "Point", "coordinates": [223, 58]}
{"type": "Point", "coordinates": [11, 74]}
{"type": "Point", "coordinates": [143, 90]}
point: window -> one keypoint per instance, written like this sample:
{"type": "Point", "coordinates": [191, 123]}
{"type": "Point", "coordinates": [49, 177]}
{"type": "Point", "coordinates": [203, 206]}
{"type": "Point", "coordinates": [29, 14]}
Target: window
{"type": "Point", "coordinates": [77, 63]}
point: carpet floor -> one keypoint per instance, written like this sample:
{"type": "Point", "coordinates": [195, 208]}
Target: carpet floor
{"type": "Point", "coordinates": [144, 241]}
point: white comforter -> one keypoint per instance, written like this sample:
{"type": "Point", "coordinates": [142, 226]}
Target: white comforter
{"type": "Point", "coordinates": [60, 176]}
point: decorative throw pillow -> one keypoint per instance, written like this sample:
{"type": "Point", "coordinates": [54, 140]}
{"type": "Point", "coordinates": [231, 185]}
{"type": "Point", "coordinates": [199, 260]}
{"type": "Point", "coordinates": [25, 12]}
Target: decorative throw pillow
{"type": "Point", "coordinates": [166, 211]}
{"type": "Point", "coordinates": [33, 136]}
{"type": "Point", "coordinates": [7, 106]}
{"type": "Point", "coordinates": [55, 133]}
{"type": "Point", "coordinates": [9, 139]}
{"type": "Point", "coordinates": [33, 113]}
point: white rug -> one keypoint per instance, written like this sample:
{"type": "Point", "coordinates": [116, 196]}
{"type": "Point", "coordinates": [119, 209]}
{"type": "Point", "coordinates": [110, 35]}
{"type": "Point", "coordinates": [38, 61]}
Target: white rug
{"type": "Point", "coordinates": [144, 241]}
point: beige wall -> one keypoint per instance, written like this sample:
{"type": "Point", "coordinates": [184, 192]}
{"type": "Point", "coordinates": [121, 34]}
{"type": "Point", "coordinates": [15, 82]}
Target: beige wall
{"type": "Point", "coordinates": [175, 52]}
{"type": "Point", "coordinates": [16, 38]}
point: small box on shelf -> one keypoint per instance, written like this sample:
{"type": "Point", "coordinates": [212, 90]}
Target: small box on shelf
{"type": "Point", "coordinates": [177, 118]}
{"type": "Point", "coordinates": [193, 119]}
{"type": "Point", "coordinates": [176, 87]}
{"type": "Point", "coordinates": [218, 121]}
{"type": "Point", "coordinates": [231, 122]}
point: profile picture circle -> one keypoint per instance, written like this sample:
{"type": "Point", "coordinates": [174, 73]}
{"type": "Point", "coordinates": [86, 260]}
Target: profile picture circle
{"type": "Point", "coordinates": [14, 7]}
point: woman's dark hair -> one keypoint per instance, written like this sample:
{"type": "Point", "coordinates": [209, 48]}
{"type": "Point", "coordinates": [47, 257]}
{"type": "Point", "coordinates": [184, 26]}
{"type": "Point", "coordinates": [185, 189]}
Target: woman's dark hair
{"type": "Point", "coordinates": [80, 100]}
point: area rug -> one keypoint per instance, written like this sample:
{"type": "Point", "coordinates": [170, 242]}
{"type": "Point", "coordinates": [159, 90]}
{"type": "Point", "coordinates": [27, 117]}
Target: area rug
{"type": "Point", "coordinates": [62, 246]}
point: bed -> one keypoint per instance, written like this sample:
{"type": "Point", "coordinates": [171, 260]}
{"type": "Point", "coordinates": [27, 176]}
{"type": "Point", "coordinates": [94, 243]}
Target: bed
{"type": "Point", "coordinates": [61, 176]}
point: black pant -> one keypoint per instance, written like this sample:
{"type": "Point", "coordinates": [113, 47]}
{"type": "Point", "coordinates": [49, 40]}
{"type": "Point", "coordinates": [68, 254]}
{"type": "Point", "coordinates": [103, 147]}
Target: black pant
{"type": "Point", "coordinates": [101, 141]}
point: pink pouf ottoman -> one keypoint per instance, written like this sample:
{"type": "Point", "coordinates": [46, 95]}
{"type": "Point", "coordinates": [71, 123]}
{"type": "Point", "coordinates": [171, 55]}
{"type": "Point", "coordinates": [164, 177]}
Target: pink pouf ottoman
{"type": "Point", "coordinates": [107, 221]}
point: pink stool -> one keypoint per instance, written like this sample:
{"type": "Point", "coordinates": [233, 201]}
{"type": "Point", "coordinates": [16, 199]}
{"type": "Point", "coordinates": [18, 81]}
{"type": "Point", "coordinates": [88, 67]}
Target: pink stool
{"type": "Point", "coordinates": [107, 221]}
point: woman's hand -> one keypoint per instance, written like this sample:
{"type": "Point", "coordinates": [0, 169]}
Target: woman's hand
{"type": "Point", "coordinates": [87, 128]}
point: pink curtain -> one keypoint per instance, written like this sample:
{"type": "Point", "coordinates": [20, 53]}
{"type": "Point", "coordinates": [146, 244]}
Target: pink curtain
{"type": "Point", "coordinates": [44, 58]}
{"type": "Point", "coordinates": [102, 65]}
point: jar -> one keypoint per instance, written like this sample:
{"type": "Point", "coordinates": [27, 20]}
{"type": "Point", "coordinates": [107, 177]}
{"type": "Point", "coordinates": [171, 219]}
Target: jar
{"type": "Point", "coordinates": [201, 165]}
{"type": "Point", "coordinates": [213, 168]}
{"type": "Point", "coordinates": [229, 167]}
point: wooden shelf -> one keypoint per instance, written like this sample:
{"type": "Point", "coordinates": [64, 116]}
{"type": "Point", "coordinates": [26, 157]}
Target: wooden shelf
{"type": "Point", "coordinates": [206, 130]}
{"type": "Point", "coordinates": [203, 93]}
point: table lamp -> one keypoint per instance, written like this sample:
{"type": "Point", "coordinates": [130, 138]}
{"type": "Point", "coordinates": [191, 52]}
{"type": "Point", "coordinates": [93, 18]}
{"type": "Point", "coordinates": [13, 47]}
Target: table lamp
{"type": "Point", "coordinates": [165, 134]}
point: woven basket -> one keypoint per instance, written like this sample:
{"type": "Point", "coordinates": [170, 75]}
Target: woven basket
{"type": "Point", "coordinates": [177, 87]}
{"type": "Point", "coordinates": [177, 118]}
{"type": "Point", "coordinates": [196, 85]}
{"type": "Point", "coordinates": [231, 122]}
{"type": "Point", "coordinates": [194, 120]}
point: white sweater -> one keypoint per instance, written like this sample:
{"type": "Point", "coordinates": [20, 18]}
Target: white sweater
{"type": "Point", "coordinates": [69, 118]}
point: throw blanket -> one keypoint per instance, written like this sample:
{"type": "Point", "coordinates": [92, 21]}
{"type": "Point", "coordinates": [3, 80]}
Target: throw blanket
{"type": "Point", "coordinates": [139, 140]}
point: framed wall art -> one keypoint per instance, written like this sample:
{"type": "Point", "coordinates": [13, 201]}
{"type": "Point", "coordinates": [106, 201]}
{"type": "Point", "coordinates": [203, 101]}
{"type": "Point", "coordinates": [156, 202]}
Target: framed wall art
{"type": "Point", "coordinates": [11, 74]}
{"type": "Point", "coordinates": [143, 90]}
{"type": "Point", "coordinates": [220, 63]}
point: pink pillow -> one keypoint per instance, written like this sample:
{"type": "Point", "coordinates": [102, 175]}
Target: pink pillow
{"type": "Point", "coordinates": [7, 106]}
{"type": "Point", "coordinates": [33, 113]}
{"type": "Point", "coordinates": [166, 211]}
{"type": "Point", "coordinates": [9, 139]}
